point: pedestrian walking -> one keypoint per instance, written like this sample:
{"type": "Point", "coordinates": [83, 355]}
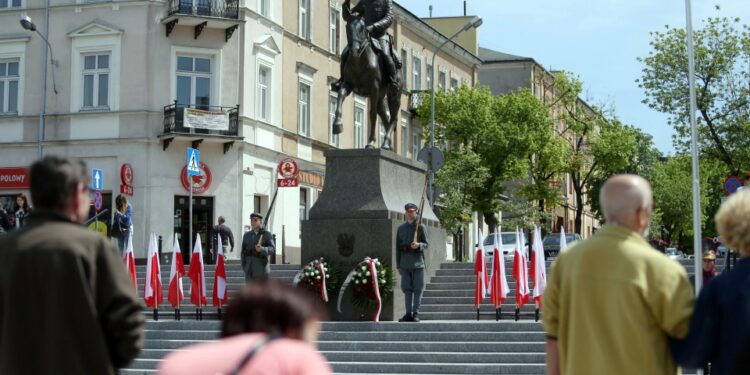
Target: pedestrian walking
{"type": "Point", "coordinates": [66, 304]}
{"type": "Point", "coordinates": [410, 261]}
{"type": "Point", "coordinates": [227, 238]}
{"type": "Point", "coordinates": [722, 313]}
{"type": "Point", "coordinates": [122, 222]}
{"type": "Point", "coordinates": [23, 210]}
{"type": "Point", "coordinates": [269, 328]}
{"type": "Point", "coordinates": [256, 251]}
{"type": "Point", "coordinates": [612, 302]}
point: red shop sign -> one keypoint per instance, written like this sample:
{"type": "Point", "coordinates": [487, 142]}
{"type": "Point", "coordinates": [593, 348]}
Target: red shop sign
{"type": "Point", "coordinates": [126, 176]}
{"type": "Point", "coordinates": [14, 178]}
{"type": "Point", "coordinates": [200, 183]}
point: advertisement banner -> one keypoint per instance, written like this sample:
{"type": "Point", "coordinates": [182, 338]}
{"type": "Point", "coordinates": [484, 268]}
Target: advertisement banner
{"type": "Point", "coordinates": [200, 119]}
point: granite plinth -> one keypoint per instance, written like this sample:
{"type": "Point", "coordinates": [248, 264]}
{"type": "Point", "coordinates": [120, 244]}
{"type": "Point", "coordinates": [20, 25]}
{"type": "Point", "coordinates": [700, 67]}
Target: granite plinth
{"type": "Point", "coordinates": [358, 213]}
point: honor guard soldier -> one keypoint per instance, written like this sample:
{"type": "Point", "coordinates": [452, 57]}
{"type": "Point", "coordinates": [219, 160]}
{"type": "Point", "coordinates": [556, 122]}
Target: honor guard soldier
{"type": "Point", "coordinates": [410, 247]}
{"type": "Point", "coordinates": [257, 246]}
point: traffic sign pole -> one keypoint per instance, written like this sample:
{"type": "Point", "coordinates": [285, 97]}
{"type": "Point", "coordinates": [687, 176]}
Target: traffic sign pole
{"type": "Point", "coordinates": [193, 161]}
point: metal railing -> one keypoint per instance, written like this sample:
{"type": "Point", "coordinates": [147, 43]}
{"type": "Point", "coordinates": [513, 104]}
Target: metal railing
{"type": "Point", "coordinates": [207, 8]}
{"type": "Point", "coordinates": [174, 119]}
{"type": "Point", "coordinates": [416, 97]}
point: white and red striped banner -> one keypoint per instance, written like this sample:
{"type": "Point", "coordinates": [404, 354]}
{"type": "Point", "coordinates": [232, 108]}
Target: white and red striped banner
{"type": "Point", "coordinates": [375, 285]}
{"type": "Point", "coordinates": [323, 288]}
{"type": "Point", "coordinates": [538, 271]}
{"type": "Point", "coordinates": [520, 271]}
{"type": "Point", "coordinates": [220, 277]}
{"type": "Point", "coordinates": [498, 282]}
{"type": "Point", "coordinates": [129, 260]}
{"type": "Point", "coordinates": [480, 270]}
{"type": "Point", "coordinates": [177, 271]}
{"type": "Point", "coordinates": [198, 278]}
{"type": "Point", "coordinates": [152, 293]}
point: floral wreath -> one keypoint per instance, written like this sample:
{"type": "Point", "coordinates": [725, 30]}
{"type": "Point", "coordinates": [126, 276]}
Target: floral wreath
{"type": "Point", "coordinates": [318, 277]}
{"type": "Point", "coordinates": [372, 282]}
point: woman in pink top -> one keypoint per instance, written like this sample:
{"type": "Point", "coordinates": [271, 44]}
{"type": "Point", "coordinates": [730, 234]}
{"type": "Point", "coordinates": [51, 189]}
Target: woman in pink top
{"type": "Point", "coordinates": [269, 329]}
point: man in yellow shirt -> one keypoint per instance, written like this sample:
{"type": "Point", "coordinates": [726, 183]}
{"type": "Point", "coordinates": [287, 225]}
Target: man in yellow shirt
{"type": "Point", "coordinates": [612, 301]}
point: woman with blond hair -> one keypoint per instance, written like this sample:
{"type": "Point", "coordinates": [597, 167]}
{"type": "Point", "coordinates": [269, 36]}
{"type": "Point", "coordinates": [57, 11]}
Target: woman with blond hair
{"type": "Point", "coordinates": [270, 328]}
{"type": "Point", "coordinates": [721, 319]}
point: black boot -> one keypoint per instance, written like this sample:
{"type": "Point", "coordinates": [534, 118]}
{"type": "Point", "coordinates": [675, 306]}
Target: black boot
{"type": "Point", "coordinates": [415, 317]}
{"type": "Point", "coordinates": [406, 318]}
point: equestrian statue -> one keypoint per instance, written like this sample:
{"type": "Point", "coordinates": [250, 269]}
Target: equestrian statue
{"type": "Point", "coordinates": [370, 67]}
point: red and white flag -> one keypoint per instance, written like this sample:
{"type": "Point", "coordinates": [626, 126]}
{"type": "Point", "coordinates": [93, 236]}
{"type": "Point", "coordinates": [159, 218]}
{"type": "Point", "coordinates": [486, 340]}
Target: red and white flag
{"type": "Point", "coordinates": [538, 271]}
{"type": "Point", "coordinates": [175, 294]}
{"type": "Point", "coordinates": [152, 290]}
{"type": "Point", "coordinates": [480, 270]}
{"type": "Point", "coordinates": [520, 271]}
{"type": "Point", "coordinates": [498, 282]}
{"type": "Point", "coordinates": [220, 277]}
{"type": "Point", "coordinates": [129, 259]}
{"type": "Point", "coordinates": [198, 278]}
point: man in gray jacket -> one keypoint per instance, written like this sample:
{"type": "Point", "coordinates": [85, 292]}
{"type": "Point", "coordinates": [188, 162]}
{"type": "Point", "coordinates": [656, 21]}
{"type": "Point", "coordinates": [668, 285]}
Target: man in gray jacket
{"type": "Point", "coordinates": [255, 252]}
{"type": "Point", "coordinates": [67, 306]}
{"type": "Point", "coordinates": [410, 262]}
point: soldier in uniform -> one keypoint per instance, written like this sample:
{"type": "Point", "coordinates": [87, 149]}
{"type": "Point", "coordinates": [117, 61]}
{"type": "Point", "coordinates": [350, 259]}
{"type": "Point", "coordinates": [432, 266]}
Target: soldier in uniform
{"type": "Point", "coordinates": [378, 16]}
{"type": "Point", "coordinates": [255, 255]}
{"type": "Point", "coordinates": [410, 262]}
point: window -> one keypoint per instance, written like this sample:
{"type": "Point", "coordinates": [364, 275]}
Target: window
{"type": "Point", "coordinates": [416, 142]}
{"type": "Point", "coordinates": [263, 8]}
{"type": "Point", "coordinates": [302, 204]}
{"type": "Point", "coordinates": [194, 81]}
{"type": "Point", "coordinates": [454, 84]}
{"type": "Point", "coordinates": [359, 125]}
{"type": "Point", "coordinates": [333, 139]}
{"type": "Point", "coordinates": [441, 81]}
{"type": "Point", "coordinates": [264, 94]}
{"type": "Point", "coordinates": [10, 4]}
{"type": "Point", "coordinates": [333, 31]}
{"type": "Point", "coordinates": [428, 77]}
{"type": "Point", "coordinates": [304, 19]}
{"type": "Point", "coordinates": [257, 199]}
{"type": "Point", "coordinates": [404, 134]}
{"type": "Point", "coordinates": [9, 78]}
{"type": "Point", "coordinates": [404, 61]}
{"type": "Point", "coordinates": [96, 81]}
{"type": "Point", "coordinates": [303, 109]}
{"type": "Point", "coordinates": [416, 72]}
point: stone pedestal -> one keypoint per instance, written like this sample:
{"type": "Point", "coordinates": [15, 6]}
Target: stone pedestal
{"type": "Point", "coordinates": [357, 214]}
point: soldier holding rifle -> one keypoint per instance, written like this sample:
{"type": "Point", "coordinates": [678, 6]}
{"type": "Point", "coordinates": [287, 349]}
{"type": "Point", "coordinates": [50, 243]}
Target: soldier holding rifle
{"type": "Point", "coordinates": [257, 246]}
{"type": "Point", "coordinates": [411, 242]}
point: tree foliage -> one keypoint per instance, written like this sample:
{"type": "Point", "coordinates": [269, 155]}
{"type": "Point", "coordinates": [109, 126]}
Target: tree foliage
{"type": "Point", "coordinates": [722, 77]}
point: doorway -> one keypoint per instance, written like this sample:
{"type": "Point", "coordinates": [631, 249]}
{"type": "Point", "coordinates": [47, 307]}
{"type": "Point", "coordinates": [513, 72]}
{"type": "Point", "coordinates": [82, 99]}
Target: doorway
{"type": "Point", "coordinates": [203, 218]}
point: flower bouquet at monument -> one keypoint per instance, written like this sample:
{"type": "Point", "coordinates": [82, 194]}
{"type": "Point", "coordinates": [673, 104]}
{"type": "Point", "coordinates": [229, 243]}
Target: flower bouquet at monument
{"type": "Point", "coordinates": [318, 277]}
{"type": "Point", "coordinates": [371, 282]}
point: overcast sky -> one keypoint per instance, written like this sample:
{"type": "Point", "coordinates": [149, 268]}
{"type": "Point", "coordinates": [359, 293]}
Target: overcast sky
{"type": "Point", "coordinates": [598, 40]}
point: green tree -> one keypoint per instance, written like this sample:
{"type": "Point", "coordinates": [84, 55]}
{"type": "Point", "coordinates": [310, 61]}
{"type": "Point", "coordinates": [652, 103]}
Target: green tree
{"type": "Point", "coordinates": [722, 76]}
{"type": "Point", "coordinates": [461, 178]}
{"type": "Point", "coordinates": [503, 132]}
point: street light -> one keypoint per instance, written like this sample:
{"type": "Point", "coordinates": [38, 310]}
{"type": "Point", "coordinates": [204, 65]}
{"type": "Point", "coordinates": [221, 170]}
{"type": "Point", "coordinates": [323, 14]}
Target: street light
{"type": "Point", "coordinates": [474, 23]}
{"type": "Point", "coordinates": [27, 24]}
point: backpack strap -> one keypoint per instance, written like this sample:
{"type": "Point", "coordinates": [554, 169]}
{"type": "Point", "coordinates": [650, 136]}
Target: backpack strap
{"type": "Point", "coordinates": [252, 352]}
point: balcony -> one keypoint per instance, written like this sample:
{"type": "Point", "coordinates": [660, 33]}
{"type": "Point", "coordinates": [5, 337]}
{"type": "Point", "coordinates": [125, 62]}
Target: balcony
{"type": "Point", "coordinates": [416, 97]}
{"type": "Point", "coordinates": [201, 123]}
{"type": "Point", "coordinates": [199, 14]}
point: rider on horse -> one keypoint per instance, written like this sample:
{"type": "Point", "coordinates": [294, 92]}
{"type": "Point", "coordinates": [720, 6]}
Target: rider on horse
{"type": "Point", "coordinates": [378, 15]}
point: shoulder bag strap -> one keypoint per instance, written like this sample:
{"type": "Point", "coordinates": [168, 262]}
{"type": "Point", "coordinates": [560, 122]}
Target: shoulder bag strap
{"type": "Point", "coordinates": [250, 354]}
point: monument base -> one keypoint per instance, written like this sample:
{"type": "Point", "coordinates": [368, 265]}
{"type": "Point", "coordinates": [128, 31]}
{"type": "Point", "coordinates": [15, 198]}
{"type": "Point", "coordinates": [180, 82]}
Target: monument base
{"type": "Point", "coordinates": [357, 215]}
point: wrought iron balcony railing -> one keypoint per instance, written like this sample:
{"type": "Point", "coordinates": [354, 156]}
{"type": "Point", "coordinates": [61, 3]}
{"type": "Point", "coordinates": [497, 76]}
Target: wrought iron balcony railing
{"type": "Point", "coordinates": [416, 97]}
{"type": "Point", "coordinates": [202, 120]}
{"type": "Point", "coordinates": [205, 8]}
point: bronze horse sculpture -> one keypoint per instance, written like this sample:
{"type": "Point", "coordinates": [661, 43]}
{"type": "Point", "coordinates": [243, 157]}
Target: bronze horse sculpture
{"type": "Point", "coordinates": [363, 74]}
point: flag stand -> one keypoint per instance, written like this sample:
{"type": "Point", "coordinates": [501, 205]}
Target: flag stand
{"type": "Point", "coordinates": [219, 312]}
{"type": "Point", "coordinates": [199, 314]}
{"type": "Point", "coordinates": [477, 313]}
{"type": "Point", "coordinates": [156, 314]}
{"type": "Point", "coordinates": [536, 315]}
{"type": "Point", "coordinates": [177, 314]}
{"type": "Point", "coordinates": [498, 314]}
{"type": "Point", "coordinates": [518, 313]}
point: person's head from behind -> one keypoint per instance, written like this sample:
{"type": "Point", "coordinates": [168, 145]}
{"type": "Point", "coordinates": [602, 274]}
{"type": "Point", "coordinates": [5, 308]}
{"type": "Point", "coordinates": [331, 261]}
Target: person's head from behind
{"type": "Point", "coordinates": [267, 306]}
{"type": "Point", "coordinates": [733, 222]}
{"type": "Point", "coordinates": [61, 185]}
{"type": "Point", "coordinates": [626, 200]}
{"type": "Point", "coordinates": [221, 220]}
{"type": "Point", "coordinates": [121, 203]}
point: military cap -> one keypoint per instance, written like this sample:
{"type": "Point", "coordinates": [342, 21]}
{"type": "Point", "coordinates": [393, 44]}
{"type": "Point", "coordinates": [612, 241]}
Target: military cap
{"type": "Point", "coordinates": [410, 206]}
{"type": "Point", "coordinates": [256, 216]}
{"type": "Point", "coordinates": [709, 255]}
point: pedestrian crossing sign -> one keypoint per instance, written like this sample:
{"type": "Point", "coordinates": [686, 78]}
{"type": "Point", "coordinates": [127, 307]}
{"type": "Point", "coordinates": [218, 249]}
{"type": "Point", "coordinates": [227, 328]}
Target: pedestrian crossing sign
{"type": "Point", "coordinates": [193, 162]}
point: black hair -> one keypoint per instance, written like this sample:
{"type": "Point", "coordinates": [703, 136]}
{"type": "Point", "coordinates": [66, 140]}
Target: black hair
{"type": "Point", "coordinates": [54, 180]}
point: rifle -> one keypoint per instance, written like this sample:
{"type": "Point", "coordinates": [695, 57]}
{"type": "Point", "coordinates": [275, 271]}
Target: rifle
{"type": "Point", "coordinates": [419, 213]}
{"type": "Point", "coordinates": [265, 219]}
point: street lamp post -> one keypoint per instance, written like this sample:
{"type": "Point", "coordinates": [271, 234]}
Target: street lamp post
{"type": "Point", "coordinates": [27, 24]}
{"type": "Point", "coordinates": [475, 22]}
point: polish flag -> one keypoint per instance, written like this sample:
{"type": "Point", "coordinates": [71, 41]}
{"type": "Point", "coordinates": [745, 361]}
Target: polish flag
{"type": "Point", "coordinates": [198, 284]}
{"type": "Point", "coordinates": [498, 282]}
{"type": "Point", "coordinates": [220, 277]}
{"type": "Point", "coordinates": [153, 292]}
{"type": "Point", "coordinates": [538, 271]}
{"type": "Point", "coordinates": [520, 272]}
{"type": "Point", "coordinates": [563, 240]}
{"type": "Point", "coordinates": [175, 294]}
{"type": "Point", "coordinates": [129, 259]}
{"type": "Point", "coordinates": [480, 269]}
